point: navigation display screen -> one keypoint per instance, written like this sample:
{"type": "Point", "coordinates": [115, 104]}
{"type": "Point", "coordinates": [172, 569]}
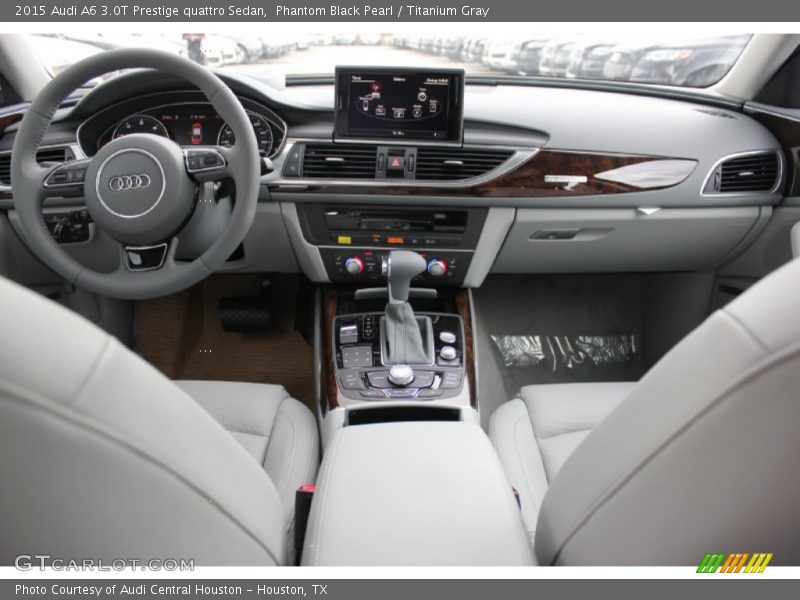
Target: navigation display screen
{"type": "Point", "coordinates": [401, 104]}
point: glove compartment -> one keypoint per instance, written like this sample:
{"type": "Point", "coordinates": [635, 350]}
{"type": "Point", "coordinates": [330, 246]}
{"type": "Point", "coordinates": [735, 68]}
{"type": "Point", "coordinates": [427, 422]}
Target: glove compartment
{"type": "Point", "coordinates": [614, 240]}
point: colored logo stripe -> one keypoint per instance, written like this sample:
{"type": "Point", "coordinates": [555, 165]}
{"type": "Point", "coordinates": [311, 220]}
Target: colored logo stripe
{"type": "Point", "coordinates": [711, 563]}
{"type": "Point", "coordinates": [758, 563]}
{"type": "Point", "coordinates": [734, 562]}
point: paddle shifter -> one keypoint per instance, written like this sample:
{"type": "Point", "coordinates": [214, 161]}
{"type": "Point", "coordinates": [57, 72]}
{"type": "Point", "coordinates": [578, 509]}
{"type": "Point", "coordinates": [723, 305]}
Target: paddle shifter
{"type": "Point", "coordinates": [407, 338]}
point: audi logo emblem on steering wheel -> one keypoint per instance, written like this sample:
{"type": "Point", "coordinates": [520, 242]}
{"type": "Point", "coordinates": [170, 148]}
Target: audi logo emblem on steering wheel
{"type": "Point", "coordinates": [123, 183]}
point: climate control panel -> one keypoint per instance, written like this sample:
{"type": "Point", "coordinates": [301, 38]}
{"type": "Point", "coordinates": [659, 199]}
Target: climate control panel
{"type": "Point", "coordinates": [366, 265]}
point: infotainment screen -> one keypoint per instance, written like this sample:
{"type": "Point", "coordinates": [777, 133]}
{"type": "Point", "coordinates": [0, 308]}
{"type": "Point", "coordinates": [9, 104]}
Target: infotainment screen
{"type": "Point", "coordinates": [399, 103]}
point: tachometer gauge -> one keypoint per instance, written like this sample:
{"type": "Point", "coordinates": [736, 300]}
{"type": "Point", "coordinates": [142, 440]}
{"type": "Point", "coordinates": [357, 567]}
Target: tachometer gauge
{"type": "Point", "coordinates": [140, 124]}
{"type": "Point", "coordinates": [261, 129]}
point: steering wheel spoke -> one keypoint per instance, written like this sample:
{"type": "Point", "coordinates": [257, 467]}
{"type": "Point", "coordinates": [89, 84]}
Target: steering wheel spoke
{"type": "Point", "coordinates": [208, 163]}
{"type": "Point", "coordinates": [149, 257]}
{"type": "Point", "coordinates": [65, 179]}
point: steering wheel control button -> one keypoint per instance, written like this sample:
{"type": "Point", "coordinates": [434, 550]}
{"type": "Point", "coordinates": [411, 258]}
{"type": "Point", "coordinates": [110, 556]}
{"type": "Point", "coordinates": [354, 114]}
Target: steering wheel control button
{"type": "Point", "coordinates": [59, 176]}
{"type": "Point", "coordinates": [401, 375]}
{"type": "Point", "coordinates": [66, 175]}
{"type": "Point", "coordinates": [447, 337]}
{"type": "Point", "coordinates": [198, 161]}
{"type": "Point", "coordinates": [448, 353]}
{"type": "Point", "coordinates": [145, 258]}
{"type": "Point", "coordinates": [354, 357]}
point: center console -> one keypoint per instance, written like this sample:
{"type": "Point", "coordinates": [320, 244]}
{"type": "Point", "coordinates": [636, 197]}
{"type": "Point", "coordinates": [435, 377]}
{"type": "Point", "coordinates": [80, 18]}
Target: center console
{"type": "Point", "coordinates": [364, 374]}
{"type": "Point", "coordinates": [414, 493]}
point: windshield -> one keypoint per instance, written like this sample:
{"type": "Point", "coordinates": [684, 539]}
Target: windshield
{"type": "Point", "coordinates": [698, 62]}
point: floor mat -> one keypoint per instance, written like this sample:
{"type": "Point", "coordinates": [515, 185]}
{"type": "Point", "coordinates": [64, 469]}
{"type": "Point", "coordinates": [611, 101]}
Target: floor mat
{"type": "Point", "coordinates": [539, 329]}
{"type": "Point", "coordinates": [181, 336]}
{"type": "Point", "coordinates": [565, 328]}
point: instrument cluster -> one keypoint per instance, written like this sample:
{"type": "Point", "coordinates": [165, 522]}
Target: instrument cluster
{"type": "Point", "coordinates": [197, 124]}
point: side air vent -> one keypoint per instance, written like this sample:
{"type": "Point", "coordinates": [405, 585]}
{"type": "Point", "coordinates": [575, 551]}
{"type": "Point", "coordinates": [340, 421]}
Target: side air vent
{"type": "Point", "coordinates": [339, 162]}
{"type": "Point", "coordinates": [455, 164]}
{"type": "Point", "coordinates": [56, 154]}
{"type": "Point", "coordinates": [757, 172]}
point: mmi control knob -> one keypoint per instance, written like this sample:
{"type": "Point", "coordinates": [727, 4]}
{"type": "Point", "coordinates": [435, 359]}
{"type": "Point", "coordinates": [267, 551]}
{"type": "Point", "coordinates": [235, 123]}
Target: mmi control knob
{"type": "Point", "coordinates": [401, 375]}
{"type": "Point", "coordinates": [354, 265]}
{"type": "Point", "coordinates": [437, 267]}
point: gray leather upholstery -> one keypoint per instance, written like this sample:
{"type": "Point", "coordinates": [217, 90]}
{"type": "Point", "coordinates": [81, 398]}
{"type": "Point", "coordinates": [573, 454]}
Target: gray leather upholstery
{"type": "Point", "coordinates": [535, 433]}
{"type": "Point", "coordinates": [104, 457]}
{"type": "Point", "coordinates": [419, 493]}
{"type": "Point", "coordinates": [700, 456]}
{"type": "Point", "coordinates": [277, 430]}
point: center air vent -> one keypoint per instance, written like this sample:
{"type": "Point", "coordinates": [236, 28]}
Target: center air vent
{"type": "Point", "coordinates": [757, 172]}
{"type": "Point", "coordinates": [56, 154]}
{"type": "Point", "coordinates": [330, 161]}
{"type": "Point", "coordinates": [446, 164]}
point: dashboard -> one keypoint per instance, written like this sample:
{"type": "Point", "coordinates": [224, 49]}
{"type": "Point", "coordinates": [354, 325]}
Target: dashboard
{"type": "Point", "coordinates": [542, 179]}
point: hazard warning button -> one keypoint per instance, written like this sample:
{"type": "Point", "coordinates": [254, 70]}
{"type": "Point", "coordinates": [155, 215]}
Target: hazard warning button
{"type": "Point", "coordinates": [396, 163]}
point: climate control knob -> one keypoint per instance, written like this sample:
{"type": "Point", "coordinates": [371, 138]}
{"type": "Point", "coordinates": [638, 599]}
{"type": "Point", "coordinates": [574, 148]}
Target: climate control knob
{"type": "Point", "coordinates": [437, 267]}
{"type": "Point", "coordinates": [354, 265]}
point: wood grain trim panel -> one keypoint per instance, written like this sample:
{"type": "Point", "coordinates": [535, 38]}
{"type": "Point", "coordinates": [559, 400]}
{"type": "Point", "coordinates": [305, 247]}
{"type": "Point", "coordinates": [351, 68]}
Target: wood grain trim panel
{"type": "Point", "coordinates": [330, 303]}
{"type": "Point", "coordinates": [463, 308]}
{"type": "Point", "coordinates": [8, 120]}
{"type": "Point", "coordinates": [601, 174]}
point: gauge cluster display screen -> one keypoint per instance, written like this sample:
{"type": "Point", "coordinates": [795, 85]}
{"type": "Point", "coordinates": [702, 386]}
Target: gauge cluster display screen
{"type": "Point", "coordinates": [400, 104]}
{"type": "Point", "coordinates": [193, 125]}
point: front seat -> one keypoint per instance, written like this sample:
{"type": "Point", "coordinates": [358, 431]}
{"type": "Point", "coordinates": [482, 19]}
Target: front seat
{"type": "Point", "coordinates": [699, 456]}
{"type": "Point", "coordinates": [537, 431]}
{"type": "Point", "coordinates": [104, 457]}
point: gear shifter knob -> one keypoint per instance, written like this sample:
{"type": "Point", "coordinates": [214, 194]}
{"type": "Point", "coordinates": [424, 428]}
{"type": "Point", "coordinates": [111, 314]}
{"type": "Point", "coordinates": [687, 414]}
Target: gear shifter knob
{"type": "Point", "coordinates": [402, 266]}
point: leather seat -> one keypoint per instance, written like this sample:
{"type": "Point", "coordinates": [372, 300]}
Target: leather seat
{"type": "Point", "coordinates": [535, 433]}
{"type": "Point", "coordinates": [105, 457]}
{"type": "Point", "coordinates": [697, 457]}
{"type": "Point", "coordinates": [277, 430]}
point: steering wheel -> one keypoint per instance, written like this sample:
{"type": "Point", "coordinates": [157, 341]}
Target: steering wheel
{"type": "Point", "coordinates": [142, 190]}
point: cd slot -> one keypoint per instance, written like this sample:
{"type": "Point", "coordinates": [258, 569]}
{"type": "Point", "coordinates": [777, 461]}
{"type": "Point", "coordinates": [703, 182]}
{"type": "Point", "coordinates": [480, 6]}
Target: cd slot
{"type": "Point", "coordinates": [449, 222]}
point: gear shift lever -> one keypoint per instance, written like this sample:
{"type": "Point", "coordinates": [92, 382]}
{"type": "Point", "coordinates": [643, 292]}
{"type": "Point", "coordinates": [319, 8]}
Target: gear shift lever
{"type": "Point", "coordinates": [401, 330]}
{"type": "Point", "coordinates": [401, 267]}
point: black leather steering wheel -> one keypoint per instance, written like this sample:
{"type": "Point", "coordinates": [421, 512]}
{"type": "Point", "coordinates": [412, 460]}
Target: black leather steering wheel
{"type": "Point", "coordinates": [140, 189]}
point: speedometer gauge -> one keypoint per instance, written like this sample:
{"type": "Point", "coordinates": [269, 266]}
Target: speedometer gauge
{"type": "Point", "coordinates": [140, 124]}
{"type": "Point", "coordinates": [261, 129]}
